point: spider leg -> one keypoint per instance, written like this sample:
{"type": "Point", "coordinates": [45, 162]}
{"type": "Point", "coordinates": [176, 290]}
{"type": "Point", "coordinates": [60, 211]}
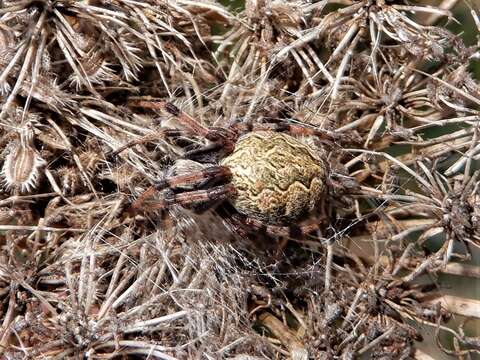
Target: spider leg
{"type": "Point", "coordinates": [243, 225]}
{"type": "Point", "coordinates": [209, 173]}
{"type": "Point", "coordinates": [157, 104]}
{"type": "Point", "coordinates": [161, 134]}
{"type": "Point", "coordinates": [293, 129]}
{"type": "Point", "coordinates": [221, 137]}
{"type": "Point", "coordinates": [275, 230]}
{"type": "Point", "coordinates": [204, 151]}
{"type": "Point", "coordinates": [186, 120]}
{"type": "Point", "coordinates": [188, 198]}
{"type": "Point", "coordinates": [176, 182]}
{"type": "Point", "coordinates": [226, 137]}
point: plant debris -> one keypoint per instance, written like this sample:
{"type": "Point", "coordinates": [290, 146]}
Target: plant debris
{"type": "Point", "coordinates": [82, 91]}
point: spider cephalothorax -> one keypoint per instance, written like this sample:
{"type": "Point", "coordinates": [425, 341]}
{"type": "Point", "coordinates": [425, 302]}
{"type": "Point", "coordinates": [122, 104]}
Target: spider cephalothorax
{"type": "Point", "coordinates": [270, 177]}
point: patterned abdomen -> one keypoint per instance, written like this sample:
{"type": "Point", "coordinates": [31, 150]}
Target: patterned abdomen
{"type": "Point", "coordinates": [277, 177]}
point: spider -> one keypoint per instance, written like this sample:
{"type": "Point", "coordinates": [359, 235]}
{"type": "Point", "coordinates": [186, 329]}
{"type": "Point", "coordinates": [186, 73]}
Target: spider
{"type": "Point", "coordinates": [264, 171]}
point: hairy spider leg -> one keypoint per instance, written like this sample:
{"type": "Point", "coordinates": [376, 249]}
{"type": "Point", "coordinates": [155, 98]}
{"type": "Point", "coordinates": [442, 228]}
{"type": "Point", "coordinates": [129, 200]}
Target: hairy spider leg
{"type": "Point", "coordinates": [209, 173]}
{"type": "Point", "coordinates": [194, 197]}
{"type": "Point", "coordinates": [289, 231]}
{"type": "Point", "coordinates": [184, 118]}
{"type": "Point", "coordinates": [293, 129]}
{"type": "Point", "coordinates": [174, 182]}
{"type": "Point", "coordinates": [162, 133]}
{"type": "Point", "coordinates": [224, 136]}
{"type": "Point", "coordinates": [212, 147]}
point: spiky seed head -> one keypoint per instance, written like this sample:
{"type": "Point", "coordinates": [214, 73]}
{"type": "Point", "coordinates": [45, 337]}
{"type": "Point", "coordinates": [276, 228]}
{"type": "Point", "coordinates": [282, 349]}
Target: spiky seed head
{"type": "Point", "coordinates": [6, 53]}
{"type": "Point", "coordinates": [285, 15]}
{"type": "Point", "coordinates": [90, 161]}
{"type": "Point", "coordinates": [92, 56]}
{"type": "Point", "coordinates": [21, 169]}
{"type": "Point", "coordinates": [6, 39]}
{"type": "Point", "coordinates": [69, 180]}
{"type": "Point", "coordinates": [124, 176]}
{"type": "Point", "coordinates": [95, 68]}
{"type": "Point", "coordinates": [6, 214]}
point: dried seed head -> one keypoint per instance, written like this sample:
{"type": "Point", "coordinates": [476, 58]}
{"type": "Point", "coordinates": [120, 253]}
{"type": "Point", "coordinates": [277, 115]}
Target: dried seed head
{"type": "Point", "coordinates": [286, 15]}
{"type": "Point", "coordinates": [125, 177]}
{"type": "Point", "coordinates": [90, 160]}
{"type": "Point", "coordinates": [21, 169]}
{"type": "Point", "coordinates": [6, 38]}
{"type": "Point", "coordinates": [18, 214]}
{"type": "Point", "coordinates": [70, 177]}
{"type": "Point", "coordinates": [6, 215]}
{"type": "Point", "coordinates": [95, 68]}
{"type": "Point", "coordinates": [92, 56]}
{"type": "Point", "coordinates": [7, 46]}
{"type": "Point", "coordinates": [70, 181]}
{"type": "Point", "coordinates": [47, 91]}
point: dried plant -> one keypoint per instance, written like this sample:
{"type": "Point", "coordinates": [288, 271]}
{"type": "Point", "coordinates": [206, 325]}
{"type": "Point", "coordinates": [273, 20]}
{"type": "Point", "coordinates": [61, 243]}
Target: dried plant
{"type": "Point", "coordinates": [383, 90]}
{"type": "Point", "coordinates": [23, 164]}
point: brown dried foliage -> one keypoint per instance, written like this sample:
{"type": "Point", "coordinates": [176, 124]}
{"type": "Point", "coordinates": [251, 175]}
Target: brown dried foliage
{"type": "Point", "coordinates": [80, 277]}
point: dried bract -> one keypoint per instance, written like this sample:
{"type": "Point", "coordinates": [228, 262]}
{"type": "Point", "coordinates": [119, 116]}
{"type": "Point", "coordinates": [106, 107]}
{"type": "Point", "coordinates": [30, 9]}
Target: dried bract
{"type": "Point", "coordinates": [23, 164]}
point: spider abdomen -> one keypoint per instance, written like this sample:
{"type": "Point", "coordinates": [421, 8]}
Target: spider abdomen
{"type": "Point", "coordinates": [276, 176]}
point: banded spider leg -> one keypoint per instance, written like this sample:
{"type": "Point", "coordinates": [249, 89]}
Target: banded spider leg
{"type": "Point", "coordinates": [186, 198]}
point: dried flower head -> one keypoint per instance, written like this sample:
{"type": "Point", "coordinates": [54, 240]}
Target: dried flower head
{"type": "Point", "coordinates": [392, 89]}
{"type": "Point", "coordinates": [71, 179]}
{"type": "Point", "coordinates": [23, 164]}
